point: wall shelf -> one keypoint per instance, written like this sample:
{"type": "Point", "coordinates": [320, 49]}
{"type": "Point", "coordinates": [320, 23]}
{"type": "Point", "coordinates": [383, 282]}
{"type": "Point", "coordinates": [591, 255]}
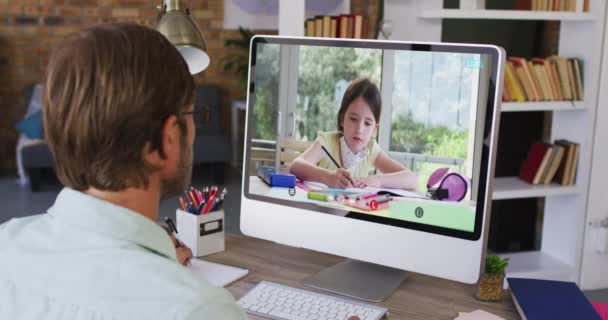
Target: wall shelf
{"type": "Point", "coordinates": [506, 15]}
{"type": "Point", "coordinates": [537, 265]}
{"type": "Point", "coordinates": [514, 188]}
{"type": "Point", "coordinates": [543, 106]}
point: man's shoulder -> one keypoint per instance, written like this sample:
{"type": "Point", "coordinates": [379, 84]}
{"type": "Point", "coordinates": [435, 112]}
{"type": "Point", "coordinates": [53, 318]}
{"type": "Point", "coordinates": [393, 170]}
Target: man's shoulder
{"type": "Point", "coordinates": [15, 226]}
{"type": "Point", "coordinates": [165, 274]}
{"type": "Point", "coordinates": [192, 295]}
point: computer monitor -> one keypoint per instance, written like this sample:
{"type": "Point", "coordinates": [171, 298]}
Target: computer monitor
{"type": "Point", "coordinates": [439, 106]}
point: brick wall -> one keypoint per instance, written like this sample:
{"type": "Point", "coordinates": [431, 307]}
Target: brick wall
{"type": "Point", "coordinates": [30, 28]}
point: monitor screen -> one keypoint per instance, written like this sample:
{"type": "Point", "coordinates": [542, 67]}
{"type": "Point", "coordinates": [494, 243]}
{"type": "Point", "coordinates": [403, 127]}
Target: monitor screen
{"type": "Point", "coordinates": [390, 133]}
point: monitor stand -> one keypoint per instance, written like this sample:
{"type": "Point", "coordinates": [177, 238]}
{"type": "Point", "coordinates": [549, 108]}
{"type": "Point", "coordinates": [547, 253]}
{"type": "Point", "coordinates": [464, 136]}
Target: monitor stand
{"type": "Point", "coordinates": [358, 279]}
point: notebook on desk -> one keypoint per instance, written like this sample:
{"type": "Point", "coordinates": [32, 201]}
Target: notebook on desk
{"type": "Point", "coordinates": [546, 299]}
{"type": "Point", "coordinates": [218, 275]}
{"type": "Point", "coordinates": [310, 186]}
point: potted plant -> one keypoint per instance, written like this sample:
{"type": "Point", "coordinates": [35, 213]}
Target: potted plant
{"type": "Point", "coordinates": [239, 63]}
{"type": "Point", "coordinates": [489, 287]}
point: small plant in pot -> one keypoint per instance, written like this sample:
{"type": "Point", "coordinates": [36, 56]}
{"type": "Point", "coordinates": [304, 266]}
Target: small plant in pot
{"type": "Point", "coordinates": [489, 287]}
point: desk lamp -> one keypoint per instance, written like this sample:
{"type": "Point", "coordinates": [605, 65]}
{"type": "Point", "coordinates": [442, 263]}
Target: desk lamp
{"type": "Point", "coordinates": [176, 24]}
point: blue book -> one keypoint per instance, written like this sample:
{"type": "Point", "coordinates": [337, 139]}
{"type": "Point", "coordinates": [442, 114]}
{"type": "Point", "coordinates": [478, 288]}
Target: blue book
{"type": "Point", "coordinates": [545, 299]}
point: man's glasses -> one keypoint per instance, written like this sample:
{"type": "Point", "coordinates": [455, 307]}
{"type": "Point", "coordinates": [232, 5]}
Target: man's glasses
{"type": "Point", "coordinates": [200, 117]}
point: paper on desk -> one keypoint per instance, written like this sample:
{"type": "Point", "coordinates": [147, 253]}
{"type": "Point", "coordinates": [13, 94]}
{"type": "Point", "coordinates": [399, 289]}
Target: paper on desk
{"type": "Point", "coordinates": [477, 315]}
{"type": "Point", "coordinates": [218, 275]}
{"type": "Point", "coordinates": [401, 192]}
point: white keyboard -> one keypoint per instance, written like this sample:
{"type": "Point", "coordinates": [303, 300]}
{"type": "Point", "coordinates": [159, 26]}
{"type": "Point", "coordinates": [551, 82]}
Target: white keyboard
{"type": "Point", "coordinates": [275, 301]}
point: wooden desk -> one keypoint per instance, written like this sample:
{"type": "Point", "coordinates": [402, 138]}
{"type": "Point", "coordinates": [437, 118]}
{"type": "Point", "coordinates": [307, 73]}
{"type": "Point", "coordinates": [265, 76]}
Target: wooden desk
{"type": "Point", "coordinates": [419, 297]}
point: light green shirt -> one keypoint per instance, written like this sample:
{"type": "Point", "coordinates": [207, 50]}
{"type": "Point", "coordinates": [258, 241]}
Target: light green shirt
{"type": "Point", "coordinates": [89, 259]}
{"type": "Point", "coordinates": [331, 141]}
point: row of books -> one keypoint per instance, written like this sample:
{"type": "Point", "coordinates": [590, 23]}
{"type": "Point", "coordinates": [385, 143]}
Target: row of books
{"type": "Point", "coordinates": [352, 26]}
{"type": "Point", "coordinates": [548, 163]}
{"type": "Point", "coordinates": [549, 5]}
{"type": "Point", "coordinates": [551, 79]}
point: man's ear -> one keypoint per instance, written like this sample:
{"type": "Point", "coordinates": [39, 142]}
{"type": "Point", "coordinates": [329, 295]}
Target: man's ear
{"type": "Point", "coordinates": [169, 144]}
{"type": "Point", "coordinates": [170, 136]}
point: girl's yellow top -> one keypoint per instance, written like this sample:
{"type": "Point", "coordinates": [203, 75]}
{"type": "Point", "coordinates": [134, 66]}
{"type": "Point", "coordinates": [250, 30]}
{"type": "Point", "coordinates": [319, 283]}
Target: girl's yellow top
{"type": "Point", "coordinates": [363, 168]}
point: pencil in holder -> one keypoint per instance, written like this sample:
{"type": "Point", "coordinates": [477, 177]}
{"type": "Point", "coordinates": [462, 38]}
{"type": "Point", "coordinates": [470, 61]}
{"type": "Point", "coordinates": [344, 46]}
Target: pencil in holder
{"type": "Point", "coordinates": [203, 234]}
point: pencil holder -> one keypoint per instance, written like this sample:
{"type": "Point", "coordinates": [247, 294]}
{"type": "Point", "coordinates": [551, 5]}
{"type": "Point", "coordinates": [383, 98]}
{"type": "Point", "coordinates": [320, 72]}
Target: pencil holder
{"type": "Point", "coordinates": [203, 234]}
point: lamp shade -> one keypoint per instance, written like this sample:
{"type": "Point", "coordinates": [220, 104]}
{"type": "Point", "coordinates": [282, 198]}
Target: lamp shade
{"type": "Point", "coordinates": [177, 26]}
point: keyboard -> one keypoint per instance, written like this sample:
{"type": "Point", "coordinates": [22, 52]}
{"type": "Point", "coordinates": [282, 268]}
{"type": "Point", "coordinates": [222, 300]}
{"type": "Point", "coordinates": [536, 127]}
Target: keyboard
{"type": "Point", "coordinates": [280, 302]}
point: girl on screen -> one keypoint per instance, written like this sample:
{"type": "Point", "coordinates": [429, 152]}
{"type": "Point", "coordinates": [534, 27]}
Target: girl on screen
{"type": "Point", "coordinates": [348, 157]}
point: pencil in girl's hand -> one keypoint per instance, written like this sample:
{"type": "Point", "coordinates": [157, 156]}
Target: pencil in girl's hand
{"type": "Point", "coordinates": [330, 157]}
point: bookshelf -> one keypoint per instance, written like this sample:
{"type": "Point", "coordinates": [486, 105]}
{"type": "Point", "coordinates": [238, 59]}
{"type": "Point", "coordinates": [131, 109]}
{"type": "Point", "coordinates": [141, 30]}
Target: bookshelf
{"type": "Point", "coordinates": [565, 209]}
{"type": "Point", "coordinates": [514, 188]}
{"type": "Point", "coordinates": [597, 211]}
{"type": "Point", "coordinates": [292, 15]}
{"type": "Point", "coordinates": [507, 15]}
{"type": "Point", "coordinates": [527, 264]}
{"type": "Point", "coordinates": [543, 106]}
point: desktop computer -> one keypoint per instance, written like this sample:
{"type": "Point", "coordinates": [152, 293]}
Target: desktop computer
{"type": "Point", "coordinates": [391, 146]}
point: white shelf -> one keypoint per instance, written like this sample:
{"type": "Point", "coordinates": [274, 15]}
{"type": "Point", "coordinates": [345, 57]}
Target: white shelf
{"type": "Point", "coordinates": [537, 265]}
{"type": "Point", "coordinates": [543, 106]}
{"type": "Point", "coordinates": [514, 188]}
{"type": "Point", "coordinates": [506, 15]}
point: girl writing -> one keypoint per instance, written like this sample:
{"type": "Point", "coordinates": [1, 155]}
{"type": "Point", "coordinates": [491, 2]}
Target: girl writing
{"type": "Point", "coordinates": [354, 147]}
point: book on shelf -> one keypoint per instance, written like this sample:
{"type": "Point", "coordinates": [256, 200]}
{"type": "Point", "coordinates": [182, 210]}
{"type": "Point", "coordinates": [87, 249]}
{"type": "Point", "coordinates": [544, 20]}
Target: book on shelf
{"type": "Point", "coordinates": [553, 165]}
{"type": "Point", "coordinates": [523, 74]}
{"type": "Point", "coordinates": [512, 82]}
{"type": "Point", "coordinates": [578, 73]}
{"type": "Point", "coordinates": [309, 28]}
{"type": "Point", "coordinates": [345, 26]}
{"type": "Point", "coordinates": [535, 158]}
{"type": "Point", "coordinates": [319, 26]}
{"type": "Point", "coordinates": [326, 33]}
{"type": "Point", "coordinates": [546, 163]}
{"type": "Point", "coordinates": [350, 26]}
{"type": "Point", "coordinates": [333, 27]}
{"type": "Point", "coordinates": [549, 5]}
{"type": "Point", "coordinates": [538, 65]}
{"type": "Point", "coordinates": [551, 79]}
{"type": "Point", "coordinates": [359, 27]}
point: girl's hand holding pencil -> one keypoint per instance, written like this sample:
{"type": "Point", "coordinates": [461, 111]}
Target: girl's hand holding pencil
{"type": "Point", "coordinates": [341, 179]}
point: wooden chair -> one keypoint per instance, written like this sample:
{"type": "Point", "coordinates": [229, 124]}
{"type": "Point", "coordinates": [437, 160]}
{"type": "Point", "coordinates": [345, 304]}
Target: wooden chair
{"type": "Point", "coordinates": [289, 149]}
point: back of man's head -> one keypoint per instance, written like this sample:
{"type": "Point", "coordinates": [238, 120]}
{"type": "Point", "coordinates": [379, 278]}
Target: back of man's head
{"type": "Point", "coordinates": [108, 91]}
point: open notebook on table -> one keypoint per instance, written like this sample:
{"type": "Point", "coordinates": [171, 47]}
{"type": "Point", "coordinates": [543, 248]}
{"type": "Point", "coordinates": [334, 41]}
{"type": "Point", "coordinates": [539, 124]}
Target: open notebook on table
{"type": "Point", "coordinates": [394, 192]}
{"type": "Point", "coordinates": [218, 275]}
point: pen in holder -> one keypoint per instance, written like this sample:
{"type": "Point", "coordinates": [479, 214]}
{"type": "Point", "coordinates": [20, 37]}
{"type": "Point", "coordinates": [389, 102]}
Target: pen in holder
{"type": "Point", "coordinates": [203, 234]}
